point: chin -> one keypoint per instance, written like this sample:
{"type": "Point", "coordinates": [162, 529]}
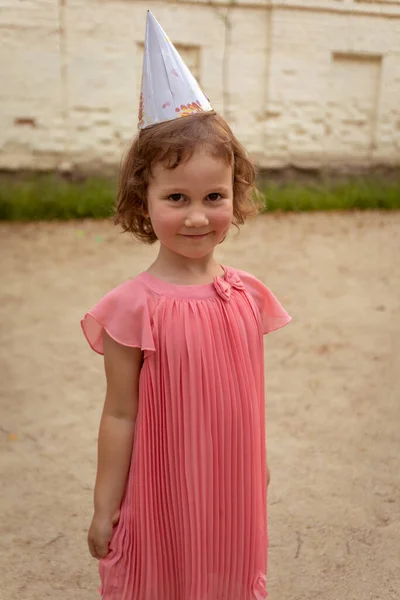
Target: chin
{"type": "Point", "coordinates": [196, 250]}
{"type": "Point", "coordinates": [195, 254]}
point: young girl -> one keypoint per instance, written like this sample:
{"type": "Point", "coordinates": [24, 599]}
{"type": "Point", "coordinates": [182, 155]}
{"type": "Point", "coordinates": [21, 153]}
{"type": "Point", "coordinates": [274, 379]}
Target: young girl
{"type": "Point", "coordinates": [180, 494]}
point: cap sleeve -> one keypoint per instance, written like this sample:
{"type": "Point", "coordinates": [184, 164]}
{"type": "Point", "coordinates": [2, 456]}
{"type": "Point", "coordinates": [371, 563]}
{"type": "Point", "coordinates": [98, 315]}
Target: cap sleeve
{"type": "Point", "coordinates": [273, 315]}
{"type": "Point", "coordinates": [124, 314]}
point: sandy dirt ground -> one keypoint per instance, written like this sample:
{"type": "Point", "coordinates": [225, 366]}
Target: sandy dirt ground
{"type": "Point", "coordinates": [333, 394]}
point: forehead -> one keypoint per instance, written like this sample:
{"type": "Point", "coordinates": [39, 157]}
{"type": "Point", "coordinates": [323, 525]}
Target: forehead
{"type": "Point", "coordinates": [201, 167]}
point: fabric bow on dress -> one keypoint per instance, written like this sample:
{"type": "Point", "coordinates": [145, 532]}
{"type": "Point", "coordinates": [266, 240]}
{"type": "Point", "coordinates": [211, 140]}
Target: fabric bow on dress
{"type": "Point", "coordinates": [224, 284]}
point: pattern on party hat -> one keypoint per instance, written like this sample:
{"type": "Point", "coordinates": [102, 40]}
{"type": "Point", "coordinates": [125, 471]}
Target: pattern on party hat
{"type": "Point", "coordinates": [169, 90]}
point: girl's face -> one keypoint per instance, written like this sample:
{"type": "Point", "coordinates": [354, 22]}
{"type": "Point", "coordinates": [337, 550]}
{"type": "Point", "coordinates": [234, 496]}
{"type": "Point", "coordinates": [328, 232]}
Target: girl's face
{"type": "Point", "coordinates": [191, 206]}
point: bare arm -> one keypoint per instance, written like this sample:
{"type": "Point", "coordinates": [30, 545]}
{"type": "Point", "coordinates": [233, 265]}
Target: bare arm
{"type": "Point", "coordinates": [122, 368]}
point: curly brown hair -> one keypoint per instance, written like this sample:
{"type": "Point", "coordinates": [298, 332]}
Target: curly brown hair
{"type": "Point", "coordinates": [173, 143]}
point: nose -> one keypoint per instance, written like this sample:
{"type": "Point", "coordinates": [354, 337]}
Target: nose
{"type": "Point", "coordinates": [196, 218]}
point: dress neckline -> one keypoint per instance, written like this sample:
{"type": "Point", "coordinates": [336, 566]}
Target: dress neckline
{"type": "Point", "coordinates": [197, 291]}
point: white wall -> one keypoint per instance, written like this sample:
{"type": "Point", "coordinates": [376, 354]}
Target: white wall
{"type": "Point", "coordinates": [304, 82]}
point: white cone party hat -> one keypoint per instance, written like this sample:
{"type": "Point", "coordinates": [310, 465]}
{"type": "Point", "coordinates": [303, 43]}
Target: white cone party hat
{"type": "Point", "coordinates": [169, 90]}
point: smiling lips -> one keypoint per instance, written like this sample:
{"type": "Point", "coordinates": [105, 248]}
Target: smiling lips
{"type": "Point", "coordinates": [195, 235]}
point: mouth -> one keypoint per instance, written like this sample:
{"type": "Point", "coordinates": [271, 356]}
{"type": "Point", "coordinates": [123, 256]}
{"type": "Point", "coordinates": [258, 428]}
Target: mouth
{"type": "Point", "coordinates": [195, 236]}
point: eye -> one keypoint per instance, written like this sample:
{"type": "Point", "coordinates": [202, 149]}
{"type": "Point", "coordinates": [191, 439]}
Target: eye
{"type": "Point", "coordinates": [214, 197]}
{"type": "Point", "coordinates": [176, 197]}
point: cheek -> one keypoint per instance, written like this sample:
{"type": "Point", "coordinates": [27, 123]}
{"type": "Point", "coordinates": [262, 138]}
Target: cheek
{"type": "Point", "coordinates": [164, 221]}
{"type": "Point", "coordinates": [222, 218]}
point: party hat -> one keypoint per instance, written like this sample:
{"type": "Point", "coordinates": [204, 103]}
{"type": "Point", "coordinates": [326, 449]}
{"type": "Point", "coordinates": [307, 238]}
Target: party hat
{"type": "Point", "coordinates": [169, 90]}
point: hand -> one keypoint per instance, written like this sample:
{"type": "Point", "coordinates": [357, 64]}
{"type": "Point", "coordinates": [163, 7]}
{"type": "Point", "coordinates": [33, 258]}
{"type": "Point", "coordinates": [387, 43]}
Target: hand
{"type": "Point", "coordinates": [268, 476]}
{"type": "Point", "coordinates": [100, 532]}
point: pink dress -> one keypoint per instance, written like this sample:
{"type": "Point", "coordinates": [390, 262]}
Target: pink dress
{"type": "Point", "coordinates": [193, 520]}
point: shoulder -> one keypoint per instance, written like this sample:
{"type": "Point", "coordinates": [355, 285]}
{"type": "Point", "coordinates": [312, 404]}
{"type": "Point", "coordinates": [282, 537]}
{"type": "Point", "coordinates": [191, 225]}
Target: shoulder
{"type": "Point", "coordinates": [252, 284]}
{"type": "Point", "coordinates": [132, 287]}
{"type": "Point", "coordinates": [245, 276]}
{"type": "Point", "coordinates": [125, 312]}
{"type": "Point", "coordinates": [128, 295]}
{"type": "Point", "coordinates": [272, 313]}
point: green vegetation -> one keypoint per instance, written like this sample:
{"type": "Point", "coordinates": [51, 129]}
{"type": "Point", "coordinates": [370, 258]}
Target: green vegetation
{"type": "Point", "coordinates": [30, 197]}
{"type": "Point", "coordinates": [361, 193]}
{"type": "Point", "coordinates": [39, 197]}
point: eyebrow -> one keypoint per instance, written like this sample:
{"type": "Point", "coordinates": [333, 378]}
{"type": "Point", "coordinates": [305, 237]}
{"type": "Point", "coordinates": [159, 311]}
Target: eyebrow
{"type": "Point", "coordinates": [182, 190]}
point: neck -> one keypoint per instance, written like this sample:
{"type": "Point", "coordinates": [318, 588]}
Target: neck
{"type": "Point", "coordinates": [180, 269]}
